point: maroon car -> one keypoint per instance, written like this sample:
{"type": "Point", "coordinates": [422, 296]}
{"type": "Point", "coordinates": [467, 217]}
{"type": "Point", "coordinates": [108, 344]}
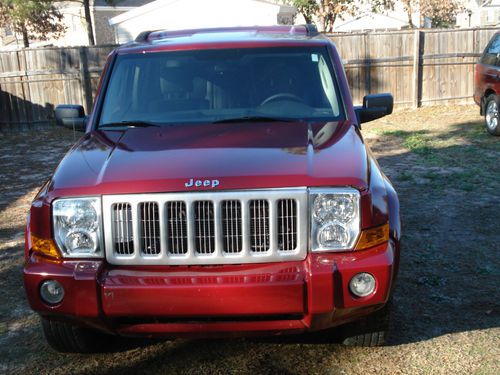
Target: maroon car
{"type": "Point", "coordinates": [222, 187]}
{"type": "Point", "coordinates": [487, 92]}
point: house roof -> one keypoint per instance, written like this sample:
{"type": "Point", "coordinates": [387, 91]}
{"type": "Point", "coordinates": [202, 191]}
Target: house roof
{"type": "Point", "coordinates": [153, 5]}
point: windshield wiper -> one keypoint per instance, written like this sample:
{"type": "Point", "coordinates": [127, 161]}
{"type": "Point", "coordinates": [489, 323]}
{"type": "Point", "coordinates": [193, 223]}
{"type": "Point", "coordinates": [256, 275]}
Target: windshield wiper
{"type": "Point", "coordinates": [254, 119]}
{"type": "Point", "coordinates": [131, 124]}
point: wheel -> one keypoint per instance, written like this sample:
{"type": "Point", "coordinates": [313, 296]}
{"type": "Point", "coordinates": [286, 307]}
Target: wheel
{"type": "Point", "coordinates": [491, 116]}
{"type": "Point", "coordinates": [69, 338]}
{"type": "Point", "coordinates": [369, 331]}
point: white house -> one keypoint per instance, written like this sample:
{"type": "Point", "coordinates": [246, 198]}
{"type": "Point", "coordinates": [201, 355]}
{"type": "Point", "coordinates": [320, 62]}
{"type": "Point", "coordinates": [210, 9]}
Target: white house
{"type": "Point", "coordinates": [73, 18]}
{"type": "Point", "coordinates": [366, 20]}
{"type": "Point", "coordinates": [187, 14]}
{"type": "Point", "coordinates": [101, 12]}
{"type": "Point", "coordinates": [480, 13]}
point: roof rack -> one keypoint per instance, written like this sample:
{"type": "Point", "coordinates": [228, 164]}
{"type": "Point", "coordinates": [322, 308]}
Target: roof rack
{"type": "Point", "coordinates": [143, 36]}
{"type": "Point", "coordinates": [311, 29]}
{"type": "Point", "coordinates": [306, 29]}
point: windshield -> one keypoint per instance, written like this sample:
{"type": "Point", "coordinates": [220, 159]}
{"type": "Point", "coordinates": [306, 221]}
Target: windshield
{"type": "Point", "coordinates": [282, 84]}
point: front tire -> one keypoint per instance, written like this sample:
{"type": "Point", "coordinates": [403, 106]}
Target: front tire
{"type": "Point", "coordinates": [69, 338]}
{"type": "Point", "coordinates": [491, 115]}
{"type": "Point", "coordinates": [371, 330]}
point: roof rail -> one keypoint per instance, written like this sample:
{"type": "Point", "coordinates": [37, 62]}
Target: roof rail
{"type": "Point", "coordinates": [307, 29]}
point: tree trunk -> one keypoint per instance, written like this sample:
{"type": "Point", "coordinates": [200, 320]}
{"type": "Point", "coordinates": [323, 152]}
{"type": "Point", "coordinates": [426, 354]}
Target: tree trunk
{"type": "Point", "coordinates": [88, 20]}
{"type": "Point", "coordinates": [26, 41]}
{"type": "Point", "coordinates": [410, 21]}
{"type": "Point", "coordinates": [409, 12]}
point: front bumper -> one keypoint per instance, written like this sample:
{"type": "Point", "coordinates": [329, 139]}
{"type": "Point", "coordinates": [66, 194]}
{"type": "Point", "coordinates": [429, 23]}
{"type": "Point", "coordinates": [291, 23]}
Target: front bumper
{"type": "Point", "coordinates": [205, 301]}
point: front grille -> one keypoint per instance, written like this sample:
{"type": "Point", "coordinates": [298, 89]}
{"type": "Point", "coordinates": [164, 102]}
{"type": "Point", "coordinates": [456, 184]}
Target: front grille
{"type": "Point", "coordinates": [206, 227]}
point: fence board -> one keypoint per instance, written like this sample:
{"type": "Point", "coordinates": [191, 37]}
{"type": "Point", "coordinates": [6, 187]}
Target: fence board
{"type": "Point", "coordinates": [439, 71]}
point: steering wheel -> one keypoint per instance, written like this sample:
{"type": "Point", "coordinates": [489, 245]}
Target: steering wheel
{"type": "Point", "coordinates": [282, 96]}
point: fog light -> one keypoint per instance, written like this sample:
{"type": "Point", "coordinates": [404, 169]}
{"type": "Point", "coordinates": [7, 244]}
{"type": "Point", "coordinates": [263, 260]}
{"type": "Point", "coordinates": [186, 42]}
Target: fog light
{"type": "Point", "coordinates": [362, 284]}
{"type": "Point", "coordinates": [51, 292]}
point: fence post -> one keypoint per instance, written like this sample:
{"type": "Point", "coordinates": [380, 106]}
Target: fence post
{"type": "Point", "coordinates": [85, 79]}
{"type": "Point", "coordinates": [368, 83]}
{"type": "Point", "coordinates": [416, 69]}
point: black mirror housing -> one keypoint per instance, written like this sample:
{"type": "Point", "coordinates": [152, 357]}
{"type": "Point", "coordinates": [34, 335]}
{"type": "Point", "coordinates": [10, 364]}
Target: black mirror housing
{"type": "Point", "coordinates": [375, 106]}
{"type": "Point", "coordinates": [71, 116]}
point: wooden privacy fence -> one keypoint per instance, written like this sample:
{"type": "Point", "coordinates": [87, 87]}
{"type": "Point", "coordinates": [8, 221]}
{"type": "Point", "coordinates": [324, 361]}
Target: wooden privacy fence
{"type": "Point", "coordinates": [419, 67]}
{"type": "Point", "coordinates": [422, 67]}
{"type": "Point", "coordinates": [34, 81]}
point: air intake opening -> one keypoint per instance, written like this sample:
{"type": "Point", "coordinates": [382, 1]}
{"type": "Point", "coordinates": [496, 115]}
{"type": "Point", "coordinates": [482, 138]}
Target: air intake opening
{"type": "Point", "coordinates": [204, 227]}
{"type": "Point", "coordinates": [123, 240]}
{"type": "Point", "coordinates": [177, 228]}
{"type": "Point", "coordinates": [232, 234]}
{"type": "Point", "coordinates": [259, 225]}
{"type": "Point", "coordinates": [287, 224]}
{"type": "Point", "coordinates": [150, 228]}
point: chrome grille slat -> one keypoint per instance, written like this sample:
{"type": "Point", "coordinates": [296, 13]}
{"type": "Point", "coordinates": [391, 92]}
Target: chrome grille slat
{"type": "Point", "coordinates": [196, 228]}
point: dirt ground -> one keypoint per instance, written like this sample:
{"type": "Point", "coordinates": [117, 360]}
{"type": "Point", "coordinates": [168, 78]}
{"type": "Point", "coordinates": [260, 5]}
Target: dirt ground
{"type": "Point", "coordinates": [446, 317]}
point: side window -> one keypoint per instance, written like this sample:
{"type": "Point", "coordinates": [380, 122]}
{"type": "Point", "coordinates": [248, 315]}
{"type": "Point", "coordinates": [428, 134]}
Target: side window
{"type": "Point", "coordinates": [491, 55]}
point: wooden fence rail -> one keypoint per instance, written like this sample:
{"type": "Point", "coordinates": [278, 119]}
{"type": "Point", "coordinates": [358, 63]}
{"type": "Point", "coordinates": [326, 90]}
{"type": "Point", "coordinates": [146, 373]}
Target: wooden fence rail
{"type": "Point", "coordinates": [421, 67]}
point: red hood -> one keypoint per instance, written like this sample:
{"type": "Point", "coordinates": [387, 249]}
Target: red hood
{"type": "Point", "coordinates": [239, 156]}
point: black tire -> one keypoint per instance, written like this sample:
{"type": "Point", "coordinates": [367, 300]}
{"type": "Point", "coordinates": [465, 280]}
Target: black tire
{"type": "Point", "coordinates": [69, 338]}
{"type": "Point", "coordinates": [371, 330]}
{"type": "Point", "coordinates": [491, 114]}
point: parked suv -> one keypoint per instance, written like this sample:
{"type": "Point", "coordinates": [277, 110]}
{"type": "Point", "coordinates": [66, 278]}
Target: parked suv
{"type": "Point", "coordinates": [487, 92]}
{"type": "Point", "coordinates": [222, 187]}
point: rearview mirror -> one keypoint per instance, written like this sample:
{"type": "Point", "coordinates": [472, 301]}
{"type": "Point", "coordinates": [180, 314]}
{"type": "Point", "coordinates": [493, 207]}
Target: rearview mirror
{"type": "Point", "coordinates": [71, 116]}
{"type": "Point", "coordinates": [375, 106]}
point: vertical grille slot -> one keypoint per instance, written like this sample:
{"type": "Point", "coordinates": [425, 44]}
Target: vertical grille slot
{"type": "Point", "coordinates": [150, 228]}
{"type": "Point", "coordinates": [259, 225]}
{"type": "Point", "coordinates": [232, 235]}
{"type": "Point", "coordinates": [287, 224]}
{"type": "Point", "coordinates": [204, 227]}
{"type": "Point", "coordinates": [123, 240]}
{"type": "Point", "coordinates": [177, 227]}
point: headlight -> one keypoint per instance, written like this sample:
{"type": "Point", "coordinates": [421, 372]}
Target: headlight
{"type": "Point", "coordinates": [335, 218]}
{"type": "Point", "coordinates": [77, 228]}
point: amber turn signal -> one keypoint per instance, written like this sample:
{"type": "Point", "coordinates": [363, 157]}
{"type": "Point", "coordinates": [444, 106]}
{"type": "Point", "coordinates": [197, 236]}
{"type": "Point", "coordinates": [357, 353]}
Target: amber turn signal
{"type": "Point", "coordinates": [44, 246]}
{"type": "Point", "coordinates": [373, 236]}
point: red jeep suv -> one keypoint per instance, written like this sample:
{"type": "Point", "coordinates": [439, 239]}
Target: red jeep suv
{"type": "Point", "coordinates": [487, 92]}
{"type": "Point", "coordinates": [222, 187]}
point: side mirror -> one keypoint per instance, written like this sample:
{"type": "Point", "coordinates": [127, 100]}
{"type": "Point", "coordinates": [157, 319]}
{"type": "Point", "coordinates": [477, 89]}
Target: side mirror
{"type": "Point", "coordinates": [375, 106]}
{"type": "Point", "coordinates": [71, 116]}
